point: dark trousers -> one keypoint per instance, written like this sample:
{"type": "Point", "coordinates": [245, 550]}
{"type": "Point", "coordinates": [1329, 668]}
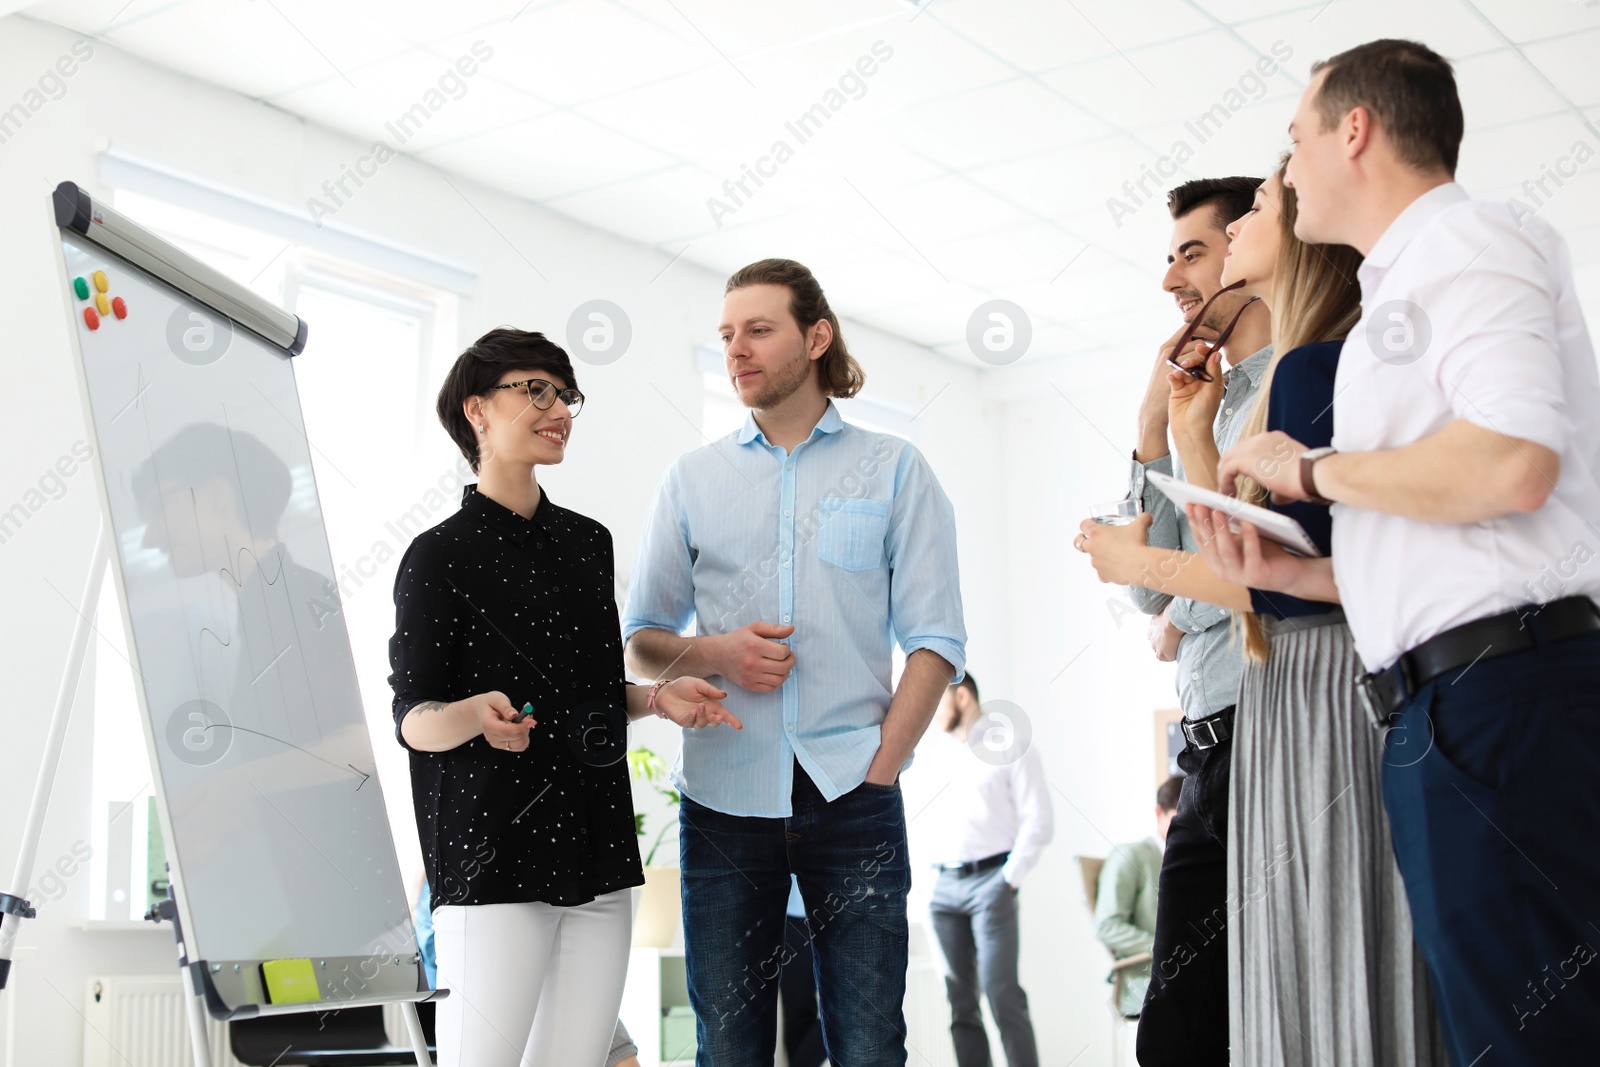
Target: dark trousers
{"type": "Point", "coordinates": [975, 921]}
{"type": "Point", "coordinates": [797, 987]}
{"type": "Point", "coordinates": [1491, 779]}
{"type": "Point", "coordinates": [1184, 1022]}
{"type": "Point", "coordinates": [850, 860]}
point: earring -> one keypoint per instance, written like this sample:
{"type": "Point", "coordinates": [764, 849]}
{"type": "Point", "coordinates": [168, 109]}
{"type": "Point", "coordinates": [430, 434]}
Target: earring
{"type": "Point", "coordinates": [482, 428]}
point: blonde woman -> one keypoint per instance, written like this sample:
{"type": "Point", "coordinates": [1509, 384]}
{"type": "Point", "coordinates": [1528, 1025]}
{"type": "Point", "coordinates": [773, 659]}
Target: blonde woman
{"type": "Point", "coordinates": [1322, 965]}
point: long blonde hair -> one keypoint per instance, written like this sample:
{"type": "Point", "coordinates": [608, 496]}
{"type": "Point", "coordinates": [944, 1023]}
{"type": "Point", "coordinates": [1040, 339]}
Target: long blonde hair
{"type": "Point", "coordinates": [1315, 297]}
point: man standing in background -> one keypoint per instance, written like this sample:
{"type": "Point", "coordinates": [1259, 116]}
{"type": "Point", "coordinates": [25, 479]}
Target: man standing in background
{"type": "Point", "coordinates": [992, 817]}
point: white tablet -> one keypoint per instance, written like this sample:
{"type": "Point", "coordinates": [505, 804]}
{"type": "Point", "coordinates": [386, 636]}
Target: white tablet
{"type": "Point", "coordinates": [1271, 524]}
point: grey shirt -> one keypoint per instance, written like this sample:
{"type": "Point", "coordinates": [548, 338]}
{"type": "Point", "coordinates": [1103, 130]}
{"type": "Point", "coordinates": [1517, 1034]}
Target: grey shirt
{"type": "Point", "coordinates": [1209, 662]}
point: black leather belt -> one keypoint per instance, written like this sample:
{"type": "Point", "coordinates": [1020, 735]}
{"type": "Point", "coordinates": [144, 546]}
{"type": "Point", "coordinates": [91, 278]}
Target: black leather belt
{"type": "Point", "coordinates": [1210, 731]}
{"type": "Point", "coordinates": [1387, 691]}
{"type": "Point", "coordinates": [961, 870]}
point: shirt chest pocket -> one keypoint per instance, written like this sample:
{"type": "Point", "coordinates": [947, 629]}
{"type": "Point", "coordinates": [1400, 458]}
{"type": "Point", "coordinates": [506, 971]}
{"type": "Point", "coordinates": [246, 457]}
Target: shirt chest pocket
{"type": "Point", "coordinates": [852, 532]}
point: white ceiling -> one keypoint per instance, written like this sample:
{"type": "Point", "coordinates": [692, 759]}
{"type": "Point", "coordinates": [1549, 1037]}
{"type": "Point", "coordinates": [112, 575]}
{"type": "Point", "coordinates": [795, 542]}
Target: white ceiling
{"type": "Point", "coordinates": [976, 164]}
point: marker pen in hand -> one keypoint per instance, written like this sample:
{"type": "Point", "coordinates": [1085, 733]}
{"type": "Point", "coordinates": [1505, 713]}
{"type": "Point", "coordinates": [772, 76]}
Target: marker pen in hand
{"type": "Point", "coordinates": [527, 710]}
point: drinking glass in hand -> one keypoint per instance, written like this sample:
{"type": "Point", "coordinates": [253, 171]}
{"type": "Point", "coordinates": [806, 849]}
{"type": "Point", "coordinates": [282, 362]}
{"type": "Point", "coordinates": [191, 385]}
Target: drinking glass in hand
{"type": "Point", "coordinates": [1117, 513]}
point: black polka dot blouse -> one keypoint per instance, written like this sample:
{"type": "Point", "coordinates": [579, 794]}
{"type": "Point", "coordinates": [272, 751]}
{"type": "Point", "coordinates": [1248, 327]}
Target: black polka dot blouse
{"type": "Point", "coordinates": [489, 600]}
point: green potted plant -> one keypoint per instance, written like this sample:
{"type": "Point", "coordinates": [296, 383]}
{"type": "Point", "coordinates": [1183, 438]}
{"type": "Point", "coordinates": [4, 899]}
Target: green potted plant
{"type": "Point", "coordinates": [660, 913]}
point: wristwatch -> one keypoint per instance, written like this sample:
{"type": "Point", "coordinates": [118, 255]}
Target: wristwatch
{"type": "Point", "coordinates": [1308, 484]}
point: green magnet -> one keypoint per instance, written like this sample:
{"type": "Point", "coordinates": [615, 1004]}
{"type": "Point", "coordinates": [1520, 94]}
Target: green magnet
{"type": "Point", "coordinates": [81, 287]}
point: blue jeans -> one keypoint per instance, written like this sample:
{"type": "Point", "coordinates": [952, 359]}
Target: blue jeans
{"type": "Point", "coordinates": [850, 859]}
{"type": "Point", "coordinates": [1489, 781]}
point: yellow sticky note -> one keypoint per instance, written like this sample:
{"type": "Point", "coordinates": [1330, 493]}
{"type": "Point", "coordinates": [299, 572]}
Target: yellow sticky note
{"type": "Point", "coordinates": [290, 981]}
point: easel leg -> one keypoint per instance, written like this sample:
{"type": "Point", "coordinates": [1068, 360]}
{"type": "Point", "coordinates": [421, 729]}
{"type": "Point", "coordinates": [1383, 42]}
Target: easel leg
{"type": "Point", "coordinates": [31, 829]}
{"type": "Point", "coordinates": [419, 1041]}
{"type": "Point", "coordinates": [195, 1002]}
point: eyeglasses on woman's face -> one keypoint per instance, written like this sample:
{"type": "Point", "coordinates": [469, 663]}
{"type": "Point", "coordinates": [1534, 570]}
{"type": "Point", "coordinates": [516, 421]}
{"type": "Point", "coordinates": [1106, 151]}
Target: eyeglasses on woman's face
{"type": "Point", "coordinates": [543, 395]}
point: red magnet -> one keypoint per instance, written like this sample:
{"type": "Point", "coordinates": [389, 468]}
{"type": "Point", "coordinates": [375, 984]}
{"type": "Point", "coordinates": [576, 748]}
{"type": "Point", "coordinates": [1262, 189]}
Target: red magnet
{"type": "Point", "coordinates": [119, 307]}
{"type": "Point", "coordinates": [91, 317]}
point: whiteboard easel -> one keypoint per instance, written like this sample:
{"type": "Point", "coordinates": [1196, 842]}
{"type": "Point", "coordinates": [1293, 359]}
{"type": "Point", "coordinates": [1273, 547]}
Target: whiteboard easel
{"type": "Point", "coordinates": [285, 888]}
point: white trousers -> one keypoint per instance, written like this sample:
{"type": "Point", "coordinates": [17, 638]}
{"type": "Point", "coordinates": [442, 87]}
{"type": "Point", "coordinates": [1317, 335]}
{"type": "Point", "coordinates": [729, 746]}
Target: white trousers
{"type": "Point", "coordinates": [531, 985]}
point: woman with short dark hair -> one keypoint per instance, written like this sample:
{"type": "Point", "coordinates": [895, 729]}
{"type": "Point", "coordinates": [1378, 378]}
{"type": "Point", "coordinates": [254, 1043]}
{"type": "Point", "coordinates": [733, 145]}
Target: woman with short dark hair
{"type": "Point", "coordinates": [510, 696]}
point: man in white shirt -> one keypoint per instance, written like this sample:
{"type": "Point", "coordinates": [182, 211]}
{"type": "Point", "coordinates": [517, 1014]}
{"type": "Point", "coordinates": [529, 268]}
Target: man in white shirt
{"type": "Point", "coordinates": [1466, 473]}
{"type": "Point", "coordinates": [993, 812]}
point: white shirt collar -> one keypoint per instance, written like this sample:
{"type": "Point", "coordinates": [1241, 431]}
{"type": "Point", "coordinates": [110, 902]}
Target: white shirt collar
{"type": "Point", "coordinates": [1406, 226]}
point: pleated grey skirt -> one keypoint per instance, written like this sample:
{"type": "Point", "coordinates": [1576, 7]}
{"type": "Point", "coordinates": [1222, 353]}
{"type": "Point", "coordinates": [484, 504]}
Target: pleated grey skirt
{"type": "Point", "coordinates": [1322, 971]}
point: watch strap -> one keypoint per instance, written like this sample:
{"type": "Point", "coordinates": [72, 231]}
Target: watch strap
{"type": "Point", "coordinates": [1308, 483]}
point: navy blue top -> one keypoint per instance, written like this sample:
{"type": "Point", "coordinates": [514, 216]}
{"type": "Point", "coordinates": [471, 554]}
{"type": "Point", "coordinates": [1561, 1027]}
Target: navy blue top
{"type": "Point", "coordinates": [1301, 405]}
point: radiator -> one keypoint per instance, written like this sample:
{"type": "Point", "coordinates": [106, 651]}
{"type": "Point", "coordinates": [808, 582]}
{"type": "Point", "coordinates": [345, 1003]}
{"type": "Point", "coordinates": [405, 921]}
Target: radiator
{"type": "Point", "coordinates": [140, 1021]}
{"type": "Point", "coordinates": [927, 1016]}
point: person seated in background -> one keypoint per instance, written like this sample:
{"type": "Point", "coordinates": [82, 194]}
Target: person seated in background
{"type": "Point", "coordinates": [1125, 905]}
{"type": "Point", "coordinates": [993, 815]}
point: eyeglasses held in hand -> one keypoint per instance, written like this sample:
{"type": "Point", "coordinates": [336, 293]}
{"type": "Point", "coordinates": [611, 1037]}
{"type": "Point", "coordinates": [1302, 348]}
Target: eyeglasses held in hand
{"type": "Point", "coordinates": [543, 395]}
{"type": "Point", "coordinates": [1198, 372]}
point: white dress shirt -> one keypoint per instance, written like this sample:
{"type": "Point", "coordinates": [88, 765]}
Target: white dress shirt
{"type": "Point", "coordinates": [960, 808]}
{"type": "Point", "coordinates": [1466, 315]}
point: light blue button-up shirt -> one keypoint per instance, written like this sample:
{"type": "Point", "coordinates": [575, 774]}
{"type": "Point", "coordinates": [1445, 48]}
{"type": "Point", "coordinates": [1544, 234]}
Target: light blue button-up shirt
{"type": "Point", "coordinates": [850, 540]}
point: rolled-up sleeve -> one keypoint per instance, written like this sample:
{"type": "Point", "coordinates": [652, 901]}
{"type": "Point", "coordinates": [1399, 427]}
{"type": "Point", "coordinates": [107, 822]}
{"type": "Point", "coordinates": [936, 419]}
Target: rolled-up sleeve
{"type": "Point", "coordinates": [1194, 616]}
{"type": "Point", "coordinates": [924, 576]}
{"type": "Point", "coordinates": [661, 588]}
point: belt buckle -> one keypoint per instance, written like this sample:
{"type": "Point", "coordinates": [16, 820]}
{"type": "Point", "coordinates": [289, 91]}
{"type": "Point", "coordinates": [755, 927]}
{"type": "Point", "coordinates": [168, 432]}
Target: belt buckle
{"type": "Point", "coordinates": [1210, 725]}
{"type": "Point", "coordinates": [1372, 700]}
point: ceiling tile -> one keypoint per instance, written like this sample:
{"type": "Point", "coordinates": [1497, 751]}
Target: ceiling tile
{"type": "Point", "coordinates": [1523, 21]}
{"type": "Point", "coordinates": [577, 51]}
{"type": "Point", "coordinates": [258, 49]}
{"type": "Point", "coordinates": [1017, 255]}
{"type": "Point", "coordinates": [1572, 62]}
{"type": "Point", "coordinates": [739, 29]}
{"type": "Point", "coordinates": [548, 156]}
{"type": "Point", "coordinates": [663, 207]}
{"type": "Point", "coordinates": [97, 16]}
{"type": "Point", "coordinates": [998, 122]}
{"type": "Point", "coordinates": [1507, 156]}
{"type": "Point", "coordinates": [1501, 87]}
{"type": "Point", "coordinates": [1324, 30]}
{"type": "Point", "coordinates": [416, 101]}
{"type": "Point", "coordinates": [1053, 33]}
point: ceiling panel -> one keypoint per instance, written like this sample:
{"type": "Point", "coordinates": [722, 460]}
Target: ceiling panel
{"type": "Point", "coordinates": [1572, 63]}
{"type": "Point", "coordinates": [382, 100]}
{"type": "Point", "coordinates": [1522, 20]}
{"type": "Point", "coordinates": [548, 156]}
{"type": "Point", "coordinates": [1502, 86]}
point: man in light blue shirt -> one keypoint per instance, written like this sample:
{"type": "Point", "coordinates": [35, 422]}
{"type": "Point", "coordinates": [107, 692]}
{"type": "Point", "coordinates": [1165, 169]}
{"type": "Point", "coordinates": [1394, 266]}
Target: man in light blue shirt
{"type": "Point", "coordinates": [802, 548]}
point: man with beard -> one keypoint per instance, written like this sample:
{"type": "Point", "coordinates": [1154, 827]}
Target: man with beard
{"type": "Point", "coordinates": [779, 542]}
{"type": "Point", "coordinates": [1185, 1015]}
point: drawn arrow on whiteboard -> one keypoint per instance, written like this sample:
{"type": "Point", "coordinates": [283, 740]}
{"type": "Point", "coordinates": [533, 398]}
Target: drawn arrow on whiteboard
{"type": "Point", "coordinates": [245, 729]}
